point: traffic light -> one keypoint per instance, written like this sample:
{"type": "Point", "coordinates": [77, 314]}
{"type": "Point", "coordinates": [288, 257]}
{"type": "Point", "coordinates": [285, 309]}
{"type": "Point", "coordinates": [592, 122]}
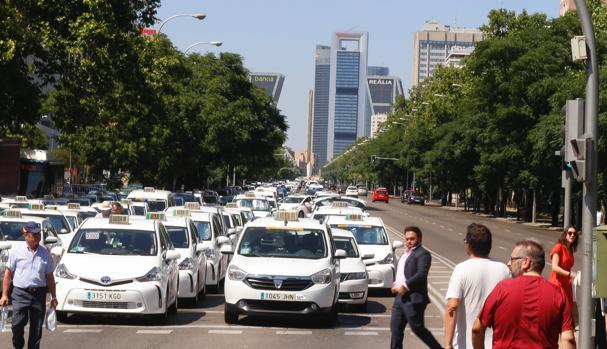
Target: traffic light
{"type": "Point", "coordinates": [574, 125]}
{"type": "Point", "coordinates": [580, 148]}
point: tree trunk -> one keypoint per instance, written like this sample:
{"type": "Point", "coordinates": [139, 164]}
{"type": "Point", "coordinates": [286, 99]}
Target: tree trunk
{"type": "Point", "coordinates": [556, 207]}
{"type": "Point", "coordinates": [533, 211]}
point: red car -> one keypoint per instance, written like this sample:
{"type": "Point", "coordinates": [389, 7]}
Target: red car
{"type": "Point", "coordinates": [381, 194]}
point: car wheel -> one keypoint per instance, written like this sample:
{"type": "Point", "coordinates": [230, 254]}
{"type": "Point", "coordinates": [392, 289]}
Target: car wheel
{"type": "Point", "coordinates": [301, 214]}
{"type": "Point", "coordinates": [61, 316]}
{"type": "Point", "coordinates": [229, 316]}
{"type": "Point", "coordinates": [328, 320]}
{"type": "Point", "coordinates": [193, 301]}
{"type": "Point", "coordinates": [203, 292]}
{"type": "Point", "coordinates": [161, 319]}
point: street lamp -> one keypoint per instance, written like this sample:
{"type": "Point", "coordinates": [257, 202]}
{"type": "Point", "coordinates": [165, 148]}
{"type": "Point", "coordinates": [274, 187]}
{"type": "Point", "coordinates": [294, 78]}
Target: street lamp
{"type": "Point", "coordinates": [198, 16]}
{"type": "Point", "coordinates": [213, 43]}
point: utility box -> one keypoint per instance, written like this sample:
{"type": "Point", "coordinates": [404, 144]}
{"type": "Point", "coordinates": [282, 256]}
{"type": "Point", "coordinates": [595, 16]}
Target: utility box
{"type": "Point", "coordinates": [599, 261]}
{"type": "Point", "coordinates": [578, 48]}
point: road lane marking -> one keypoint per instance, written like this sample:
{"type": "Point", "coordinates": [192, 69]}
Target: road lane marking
{"type": "Point", "coordinates": [503, 248]}
{"type": "Point", "coordinates": [508, 231]}
{"type": "Point", "coordinates": [225, 332]}
{"type": "Point", "coordinates": [450, 229]}
{"type": "Point", "coordinates": [82, 330]}
{"type": "Point", "coordinates": [460, 234]}
{"type": "Point", "coordinates": [154, 331]}
{"type": "Point", "coordinates": [294, 332]}
{"type": "Point", "coordinates": [442, 226]}
{"type": "Point", "coordinates": [365, 333]}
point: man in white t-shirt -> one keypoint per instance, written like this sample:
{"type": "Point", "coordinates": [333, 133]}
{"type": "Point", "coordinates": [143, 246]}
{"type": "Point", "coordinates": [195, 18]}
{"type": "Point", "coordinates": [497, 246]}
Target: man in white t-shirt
{"type": "Point", "coordinates": [469, 286]}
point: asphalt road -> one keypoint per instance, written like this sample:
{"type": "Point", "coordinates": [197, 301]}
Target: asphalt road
{"type": "Point", "coordinates": [203, 326]}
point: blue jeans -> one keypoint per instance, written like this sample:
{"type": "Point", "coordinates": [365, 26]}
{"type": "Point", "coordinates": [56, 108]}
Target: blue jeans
{"type": "Point", "coordinates": [26, 305]}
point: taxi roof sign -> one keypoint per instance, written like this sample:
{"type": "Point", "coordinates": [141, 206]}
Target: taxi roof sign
{"type": "Point", "coordinates": [73, 206]}
{"type": "Point", "coordinates": [354, 217]}
{"type": "Point", "coordinates": [283, 215]}
{"type": "Point", "coordinates": [156, 215]}
{"type": "Point", "coordinates": [231, 205]}
{"type": "Point", "coordinates": [181, 212]}
{"type": "Point", "coordinates": [12, 213]}
{"type": "Point", "coordinates": [339, 204]}
{"type": "Point", "coordinates": [21, 198]}
{"type": "Point", "coordinates": [36, 206]}
{"type": "Point", "coordinates": [149, 189]}
{"type": "Point", "coordinates": [119, 219]}
{"type": "Point", "coordinates": [249, 194]}
{"type": "Point", "coordinates": [126, 202]}
{"type": "Point", "coordinates": [192, 206]}
{"type": "Point", "coordinates": [51, 207]}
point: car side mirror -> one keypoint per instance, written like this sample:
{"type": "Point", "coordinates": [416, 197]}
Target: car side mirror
{"type": "Point", "coordinates": [226, 249]}
{"type": "Point", "coordinates": [5, 245]}
{"type": "Point", "coordinates": [171, 255]}
{"type": "Point", "coordinates": [200, 248]}
{"type": "Point", "coordinates": [340, 254]}
{"type": "Point", "coordinates": [222, 240]}
{"type": "Point", "coordinates": [63, 231]}
{"type": "Point", "coordinates": [51, 240]}
{"type": "Point", "coordinates": [57, 251]}
{"type": "Point", "coordinates": [368, 256]}
{"type": "Point", "coordinates": [397, 244]}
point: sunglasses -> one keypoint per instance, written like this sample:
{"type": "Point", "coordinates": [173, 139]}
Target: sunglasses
{"type": "Point", "coordinates": [572, 233]}
{"type": "Point", "coordinates": [512, 259]}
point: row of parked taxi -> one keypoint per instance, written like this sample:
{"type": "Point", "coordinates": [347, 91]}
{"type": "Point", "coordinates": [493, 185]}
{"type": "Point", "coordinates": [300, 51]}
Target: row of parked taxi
{"type": "Point", "coordinates": [296, 255]}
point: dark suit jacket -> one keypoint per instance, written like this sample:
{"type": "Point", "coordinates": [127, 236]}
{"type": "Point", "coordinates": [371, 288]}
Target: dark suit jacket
{"type": "Point", "coordinates": [417, 267]}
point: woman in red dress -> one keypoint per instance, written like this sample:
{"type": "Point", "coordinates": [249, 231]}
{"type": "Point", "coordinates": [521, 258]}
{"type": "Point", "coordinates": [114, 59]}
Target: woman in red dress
{"type": "Point", "coordinates": [562, 261]}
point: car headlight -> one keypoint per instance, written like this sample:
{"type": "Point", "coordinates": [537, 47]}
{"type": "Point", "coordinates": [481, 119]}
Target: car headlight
{"type": "Point", "coordinates": [62, 272]}
{"type": "Point", "coordinates": [153, 275]}
{"type": "Point", "coordinates": [388, 260]}
{"type": "Point", "coordinates": [186, 264]}
{"type": "Point", "coordinates": [235, 273]}
{"type": "Point", "coordinates": [322, 277]}
{"type": "Point", "coordinates": [355, 276]}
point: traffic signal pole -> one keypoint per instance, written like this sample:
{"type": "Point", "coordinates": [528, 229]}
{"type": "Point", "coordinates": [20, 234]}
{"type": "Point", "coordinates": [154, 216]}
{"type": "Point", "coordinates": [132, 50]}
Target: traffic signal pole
{"type": "Point", "coordinates": [589, 185]}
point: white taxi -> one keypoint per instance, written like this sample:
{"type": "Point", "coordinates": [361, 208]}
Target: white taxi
{"type": "Point", "coordinates": [372, 238]}
{"type": "Point", "coordinates": [300, 203]}
{"type": "Point", "coordinates": [260, 205]}
{"type": "Point", "coordinates": [211, 235]}
{"type": "Point", "coordinates": [193, 262]}
{"type": "Point", "coordinates": [338, 208]}
{"type": "Point", "coordinates": [157, 200]}
{"type": "Point", "coordinates": [353, 289]}
{"type": "Point", "coordinates": [283, 266]}
{"type": "Point", "coordinates": [118, 265]}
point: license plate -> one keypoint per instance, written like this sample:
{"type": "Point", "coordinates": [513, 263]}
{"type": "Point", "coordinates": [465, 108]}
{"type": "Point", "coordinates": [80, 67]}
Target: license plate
{"type": "Point", "coordinates": [275, 296]}
{"type": "Point", "coordinates": [103, 296]}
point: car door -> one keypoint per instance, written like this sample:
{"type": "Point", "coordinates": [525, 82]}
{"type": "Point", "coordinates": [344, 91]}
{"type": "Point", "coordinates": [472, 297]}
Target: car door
{"type": "Point", "coordinates": [196, 257]}
{"type": "Point", "coordinates": [169, 270]}
{"type": "Point", "coordinates": [223, 258]}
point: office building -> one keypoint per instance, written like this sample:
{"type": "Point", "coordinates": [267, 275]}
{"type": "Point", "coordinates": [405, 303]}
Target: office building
{"type": "Point", "coordinates": [382, 92]}
{"type": "Point", "coordinates": [320, 115]}
{"type": "Point", "coordinates": [270, 82]}
{"type": "Point", "coordinates": [432, 44]}
{"type": "Point", "coordinates": [348, 105]}
{"type": "Point", "coordinates": [376, 121]}
{"type": "Point", "coordinates": [456, 55]}
{"type": "Point", "coordinates": [378, 71]}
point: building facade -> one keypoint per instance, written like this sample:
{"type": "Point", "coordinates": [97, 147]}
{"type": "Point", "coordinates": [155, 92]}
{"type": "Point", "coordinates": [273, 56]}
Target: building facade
{"type": "Point", "coordinates": [270, 82]}
{"type": "Point", "coordinates": [320, 114]}
{"type": "Point", "coordinates": [376, 121]}
{"type": "Point", "coordinates": [432, 44]}
{"type": "Point", "coordinates": [348, 105]}
{"type": "Point", "coordinates": [456, 55]}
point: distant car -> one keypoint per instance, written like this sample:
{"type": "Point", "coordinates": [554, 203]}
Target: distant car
{"type": "Point", "coordinates": [381, 194]}
{"type": "Point", "coordinates": [405, 195]}
{"type": "Point", "coordinates": [362, 190]}
{"type": "Point", "coordinates": [416, 198]}
{"type": "Point", "coordinates": [352, 191]}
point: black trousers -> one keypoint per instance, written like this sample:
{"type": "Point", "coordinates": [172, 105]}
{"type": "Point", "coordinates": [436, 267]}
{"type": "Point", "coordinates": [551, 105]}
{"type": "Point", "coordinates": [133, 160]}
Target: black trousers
{"type": "Point", "coordinates": [404, 313]}
{"type": "Point", "coordinates": [26, 305]}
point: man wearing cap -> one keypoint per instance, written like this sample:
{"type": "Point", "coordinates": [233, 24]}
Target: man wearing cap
{"type": "Point", "coordinates": [30, 268]}
{"type": "Point", "coordinates": [105, 209]}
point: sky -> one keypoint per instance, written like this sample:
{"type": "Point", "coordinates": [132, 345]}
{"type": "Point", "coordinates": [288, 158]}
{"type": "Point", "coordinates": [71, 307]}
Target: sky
{"type": "Point", "coordinates": [280, 36]}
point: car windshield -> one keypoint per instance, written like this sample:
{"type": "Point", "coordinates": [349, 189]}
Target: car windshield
{"type": "Point", "coordinates": [365, 234]}
{"type": "Point", "coordinates": [179, 236]}
{"type": "Point", "coordinates": [58, 221]}
{"type": "Point", "coordinates": [291, 200]}
{"type": "Point", "coordinates": [209, 199]}
{"type": "Point", "coordinates": [248, 215]}
{"type": "Point", "coordinates": [12, 231]}
{"type": "Point", "coordinates": [88, 214]}
{"type": "Point", "coordinates": [204, 230]}
{"type": "Point", "coordinates": [72, 220]}
{"type": "Point", "coordinates": [348, 245]}
{"type": "Point", "coordinates": [255, 204]}
{"type": "Point", "coordinates": [283, 243]}
{"type": "Point", "coordinates": [114, 242]}
{"type": "Point", "coordinates": [156, 205]}
{"type": "Point", "coordinates": [179, 201]}
{"type": "Point", "coordinates": [138, 210]}
{"type": "Point", "coordinates": [236, 218]}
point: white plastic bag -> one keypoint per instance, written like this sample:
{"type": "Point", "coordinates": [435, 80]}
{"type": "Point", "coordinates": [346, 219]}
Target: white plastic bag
{"type": "Point", "coordinates": [51, 320]}
{"type": "Point", "coordinates": [4, 319]}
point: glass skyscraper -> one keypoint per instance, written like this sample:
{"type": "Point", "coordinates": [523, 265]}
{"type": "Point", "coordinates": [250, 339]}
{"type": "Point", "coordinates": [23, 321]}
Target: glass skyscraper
{"type": "Point", "coordinates": [320, 118]}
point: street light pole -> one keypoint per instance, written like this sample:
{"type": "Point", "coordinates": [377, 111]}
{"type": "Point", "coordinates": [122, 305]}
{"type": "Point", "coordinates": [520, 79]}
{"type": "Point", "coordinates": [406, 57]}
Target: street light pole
{"type": "Point", "coordinates": [590, 185]}
{"type": "Point", "coordinates": [198, 16]}
{"type": "Point", "coordinates": [213, 43]}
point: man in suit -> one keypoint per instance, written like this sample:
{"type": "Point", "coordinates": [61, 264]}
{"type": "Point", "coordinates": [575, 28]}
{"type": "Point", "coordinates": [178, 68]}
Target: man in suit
{"type": "Point", "coordinates": [411, 290]}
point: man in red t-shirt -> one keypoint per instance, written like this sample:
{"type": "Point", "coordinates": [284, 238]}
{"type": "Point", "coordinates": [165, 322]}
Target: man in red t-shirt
{"type": "Point", "coordinates": [525, 311]}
